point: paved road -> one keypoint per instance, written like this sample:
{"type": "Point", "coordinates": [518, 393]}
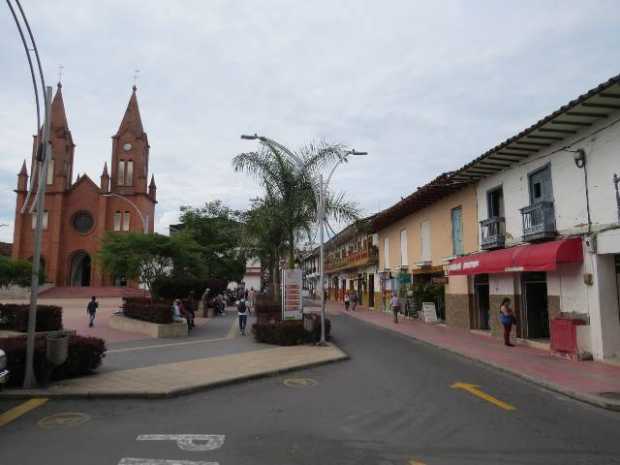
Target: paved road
{"type": "Point", "coordinates": [392, 403]}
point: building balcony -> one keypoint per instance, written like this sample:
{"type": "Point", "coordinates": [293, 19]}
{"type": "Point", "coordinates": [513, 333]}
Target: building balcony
{"type": "Point", "coordinates": [357, 259]}
{"type": "Point", "coordinates": [492, 233]}
{"type": "Point", "coordinates": [538, 221]}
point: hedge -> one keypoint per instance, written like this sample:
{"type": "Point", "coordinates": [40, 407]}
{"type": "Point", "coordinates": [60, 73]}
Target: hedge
{"type": "Point", "coordinates": [170, 288]}
{"type": "Point", "coordinates": [147, 310]}
{"type": "Point", "coordinates": [289, 333]}
{"type": "Point", "coordinates": [84, 356]}
{"type": "Point", "coordinates": [14, 317]}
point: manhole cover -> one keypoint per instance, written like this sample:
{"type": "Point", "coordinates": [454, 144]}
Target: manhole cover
{"type": "Point", "coordinates": [610, 395]}
{"type": "Point", "coordinates": [63, 420]}
{"type": "Point", "coordinates": [300, 382]}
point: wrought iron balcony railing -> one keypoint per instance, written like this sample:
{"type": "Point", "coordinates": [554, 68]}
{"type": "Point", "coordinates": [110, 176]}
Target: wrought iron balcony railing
{"type": "Point", "coordinates": [538, 221]}
{"type": "Point", "coordinates": [492, 233]}
{"type": "Point", "coordinates": [353, 259]}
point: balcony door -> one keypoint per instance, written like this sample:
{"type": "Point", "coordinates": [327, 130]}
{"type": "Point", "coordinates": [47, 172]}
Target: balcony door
{"type": "Point", "coordinates": [541, 189]}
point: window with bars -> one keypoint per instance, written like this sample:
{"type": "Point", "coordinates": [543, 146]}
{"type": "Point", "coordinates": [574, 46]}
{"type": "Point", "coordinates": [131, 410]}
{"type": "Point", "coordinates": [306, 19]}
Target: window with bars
{"type": "Point", "coordinates": [117, 221]}
{"type": "Point", "coordinates": [121, 173]}
{"type": "Point", "coordinates": [125, 173]}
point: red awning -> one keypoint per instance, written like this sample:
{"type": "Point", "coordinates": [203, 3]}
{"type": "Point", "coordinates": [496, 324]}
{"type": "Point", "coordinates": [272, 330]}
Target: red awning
{"type": "Point", "coordinates": [535, 257]}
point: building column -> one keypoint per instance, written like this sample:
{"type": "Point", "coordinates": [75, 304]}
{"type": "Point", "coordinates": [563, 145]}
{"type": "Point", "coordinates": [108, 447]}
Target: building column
{"type": "Point", "coordinates": [604, 306]}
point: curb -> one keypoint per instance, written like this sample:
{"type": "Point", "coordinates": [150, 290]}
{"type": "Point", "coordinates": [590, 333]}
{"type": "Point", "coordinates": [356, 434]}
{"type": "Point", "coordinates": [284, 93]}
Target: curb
{"type": "Point", "coordinates": [27, 394]}
{"type": "Point", "coordinates": [591, 399]}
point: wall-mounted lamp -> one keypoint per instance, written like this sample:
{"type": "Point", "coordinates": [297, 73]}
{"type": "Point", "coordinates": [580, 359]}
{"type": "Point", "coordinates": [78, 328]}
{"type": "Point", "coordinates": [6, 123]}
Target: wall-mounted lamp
{"type": "Point", "coordinates": [580, 162]}
{"type": "Point", "coordinates": [580, 158]}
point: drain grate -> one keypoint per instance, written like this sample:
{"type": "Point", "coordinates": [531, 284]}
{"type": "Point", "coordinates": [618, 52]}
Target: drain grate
{"type": "Point", "coordinates": [610, 395]}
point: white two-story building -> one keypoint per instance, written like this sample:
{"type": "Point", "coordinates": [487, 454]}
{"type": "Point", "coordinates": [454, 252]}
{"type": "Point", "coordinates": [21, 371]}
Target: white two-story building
{"type": "Point", "coordinates": [549, 214]}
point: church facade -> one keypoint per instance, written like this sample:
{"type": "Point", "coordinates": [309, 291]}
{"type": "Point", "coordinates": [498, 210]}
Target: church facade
{"type": "Point", "coordinates": [79, 213]}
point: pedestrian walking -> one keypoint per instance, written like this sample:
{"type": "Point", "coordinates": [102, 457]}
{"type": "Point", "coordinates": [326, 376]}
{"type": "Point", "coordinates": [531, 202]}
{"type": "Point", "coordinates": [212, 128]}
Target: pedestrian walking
{"type": "Point", "coordinates": [354, 300]}
{"type": "Point", "coordinates": [347, 300]}
{"type": "Point", "coordinates": [395, 304]}
{"type": "Point", "coordinates": [242, 311]}
{"type": "Point", "coordinates": [91, 310]}
{"type": "Point", "coordinates": [186, 314]}
{"type": "Point", "coordinates": [507, 319]}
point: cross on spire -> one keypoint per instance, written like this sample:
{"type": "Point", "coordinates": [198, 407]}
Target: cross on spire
{"type": "Point", "coordinates": [136, 72]}
{"type": "Point", "coordinates": [60, 68]}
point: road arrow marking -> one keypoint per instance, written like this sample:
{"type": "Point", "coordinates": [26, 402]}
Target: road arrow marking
{"type": "Point", "coordinates": [474, 390]}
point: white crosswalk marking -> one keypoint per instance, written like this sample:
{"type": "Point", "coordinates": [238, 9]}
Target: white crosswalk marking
{"type": "Point", "coordinates": [139, 461]}
{"type": "Point", "coordinates": [188, 442]}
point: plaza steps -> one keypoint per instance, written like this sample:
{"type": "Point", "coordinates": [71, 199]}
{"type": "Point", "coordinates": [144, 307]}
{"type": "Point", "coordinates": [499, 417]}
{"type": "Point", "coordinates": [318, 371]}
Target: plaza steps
{"type": "Point", "coordinates": [86, 292]}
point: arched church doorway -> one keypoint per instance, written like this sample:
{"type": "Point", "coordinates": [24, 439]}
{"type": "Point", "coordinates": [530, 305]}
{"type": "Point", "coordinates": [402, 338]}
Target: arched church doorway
{"type": "Point", "coordinates": [80, 269]}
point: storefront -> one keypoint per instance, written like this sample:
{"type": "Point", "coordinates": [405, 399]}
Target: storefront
{"type": "Point", "coordinates": [537, 278]}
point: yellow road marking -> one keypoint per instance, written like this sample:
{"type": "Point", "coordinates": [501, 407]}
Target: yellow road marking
{"type": "Point", "coordinates": [415, 462]}
{"type": "Point", "coordinates": [23, 408]}
{"type": "Point", "coordinates": [474, 390]}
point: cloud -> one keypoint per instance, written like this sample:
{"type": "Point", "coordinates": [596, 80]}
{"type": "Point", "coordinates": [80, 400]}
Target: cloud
{"type": "Point", "coordinates": [422, 86]}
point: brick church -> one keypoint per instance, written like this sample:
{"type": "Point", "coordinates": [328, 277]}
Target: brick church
{"type": "Point", "coordinates": [79, 213]}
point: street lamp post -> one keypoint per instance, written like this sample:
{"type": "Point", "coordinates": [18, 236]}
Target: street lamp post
{"type": "Point", "coordinates": [320, 208]}
{"type": "Point", "coordinates": [145, 221]}
{"type": "Point", "coordinates": [322, 194]}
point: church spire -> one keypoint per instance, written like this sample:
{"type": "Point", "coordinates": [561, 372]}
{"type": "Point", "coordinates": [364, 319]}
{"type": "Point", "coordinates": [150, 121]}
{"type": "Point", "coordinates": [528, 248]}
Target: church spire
{"type": "Point", "coordinates": [105, 179]}
{"type": "Point", "coordinates": [59, 115]}
{"type": "Point", "coordinates": [24, 170]}
{"type": "Point", "coordinates": [131, 120]}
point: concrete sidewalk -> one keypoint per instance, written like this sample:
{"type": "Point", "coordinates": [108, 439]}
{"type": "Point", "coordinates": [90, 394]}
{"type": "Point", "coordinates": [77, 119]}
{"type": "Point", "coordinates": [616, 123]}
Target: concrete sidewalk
{"type": "Point", "coordinates": [589, 381]}
{"type": "Point", "coordinates": [172, 379]}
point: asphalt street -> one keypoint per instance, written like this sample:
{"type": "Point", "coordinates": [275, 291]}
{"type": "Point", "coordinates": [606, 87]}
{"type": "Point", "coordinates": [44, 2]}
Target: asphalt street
{"type": "Point", "coordinates": [391, 403]}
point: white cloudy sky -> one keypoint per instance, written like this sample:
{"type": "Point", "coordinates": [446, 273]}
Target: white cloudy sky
{"type": "Point", "coordinates": [422, 86]}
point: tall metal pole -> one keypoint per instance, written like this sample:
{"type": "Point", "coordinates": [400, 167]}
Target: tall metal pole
{"type": "Point", "coordinates": [29, 378]}
{"type": "Point", "coordinates": [322, 257]}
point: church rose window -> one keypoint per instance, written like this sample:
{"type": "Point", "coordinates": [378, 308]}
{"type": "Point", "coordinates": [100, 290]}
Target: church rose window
{"type": "Point", "coordinates": [83, 222]}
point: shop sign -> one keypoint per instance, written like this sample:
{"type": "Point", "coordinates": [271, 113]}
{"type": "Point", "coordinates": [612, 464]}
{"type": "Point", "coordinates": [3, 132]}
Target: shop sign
{"type": "Point", "coordinates": [439, 280]}
{"type": "Point", "coordinates": [292, 301]}
{"type": "Point", "coordinates": [429, 314]}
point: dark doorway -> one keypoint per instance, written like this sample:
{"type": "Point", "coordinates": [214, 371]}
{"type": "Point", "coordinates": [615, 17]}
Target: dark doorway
{"type": "Point", "coordinates": [80, 270]}
{"type": "Point", "coordinates": [481, 296]}
{"type": "Point", "coordinates": [371, 290]}
{"type": "Point", "coordinates": [536, 314]}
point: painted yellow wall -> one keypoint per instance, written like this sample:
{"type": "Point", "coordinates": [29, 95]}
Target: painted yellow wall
{"type": "Point", "coordinates": [439, 215]}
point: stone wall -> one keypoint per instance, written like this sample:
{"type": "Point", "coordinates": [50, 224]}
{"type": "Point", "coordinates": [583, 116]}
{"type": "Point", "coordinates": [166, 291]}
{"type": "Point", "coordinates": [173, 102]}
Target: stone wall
{"type": "Point", "coordinates": [458, 308]}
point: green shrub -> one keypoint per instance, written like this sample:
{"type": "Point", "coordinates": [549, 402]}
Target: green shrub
{"type": "Point", "coordinates": [85, 355]}
{"type": "Point", "coordinates": [147, 310]}
{"type": "Point", "coordinates": [14, 317]}
{"type": "Point", "coordinates": [290, 333]}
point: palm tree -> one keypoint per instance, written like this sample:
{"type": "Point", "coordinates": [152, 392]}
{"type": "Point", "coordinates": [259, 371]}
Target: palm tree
{"type": "Point", "coordinates": [292, 185]}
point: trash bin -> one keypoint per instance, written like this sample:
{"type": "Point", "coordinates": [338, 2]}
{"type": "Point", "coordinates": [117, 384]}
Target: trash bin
{"type": "Point", "coordinates": [57, 348]}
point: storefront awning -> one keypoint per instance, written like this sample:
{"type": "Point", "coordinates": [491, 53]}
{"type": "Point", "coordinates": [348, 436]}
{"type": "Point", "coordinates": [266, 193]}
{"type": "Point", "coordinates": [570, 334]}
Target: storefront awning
{"type": "Point", "coordinates": [534, 257]}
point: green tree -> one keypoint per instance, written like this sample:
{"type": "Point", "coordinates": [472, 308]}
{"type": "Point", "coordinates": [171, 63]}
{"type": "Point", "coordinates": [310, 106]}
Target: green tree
{"type": "Point", "coordinates": [264, 236]}
{"type": "Point", "coordinates": [294, 189]}
{"type": "Point", "coordinates": [16, 272]}
{"type": "Point", "coordinates": [147, 257]}
{"type": "Point", "coordinates": [218, 230]}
